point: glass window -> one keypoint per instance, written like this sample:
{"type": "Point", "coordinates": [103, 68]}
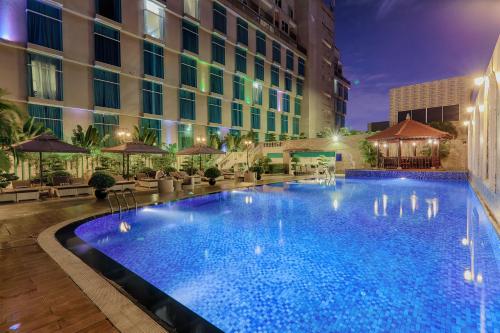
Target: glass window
{"type": "Point", "coordinates": [301, 67]}
{"type": "Point", "coordinates": [106, 89]}
{"type": "Point", "coordinates": [152, 124]}
{"type": "Point", "coordinates": [213, 131]}
{"type": "Point", "coordinates": [284, 123]}
{"type": "Point", "coordinates": [275, 75]}
{"type": "Point", "coordinates": [451, 113]}
{"type": "Point", "coordinates": [241, 31]}
{"type": "Point", "coordinates": [259, 68]}
{"type": "Point", "coordinates": [235, 132]}
{"type": "Point", "coordinates": [111, 9]}
{"type": "Point", "coordinates": [189, 36]}
{"type": "Point", "coordinates": [240, 60]}
{"type": "Point", "coordinates": [192, 8]}
{"type": "Point", "coordinates": [298, 104]}
{"type": "Point", "coordinates": [289, 60]}
{"type": "Point", "coordinates": [152, 98]}
{"type": "Point", "coordinates": [153, 59]}
{"type": "Point", "coordinates": [187, 104]}
{"type": "Point", "coordinates": [107, 124]}
{"type": "Point", "coordinates": [271, 121]}
{"type": "Point", "coordinates": [44, 25]}
{"type": "Point", "coordinates": [300, 87]}
{"type": "Point", "coordinates": [288, 81]}
{"type": "Point", "coordinates": [188, 71]}
{"type": "Point", "coordinates": [255, 118]}
{"type": "Point", "coordinates": [218, 50]}
{"type": "Point", "coordinates": [214, 110]}
{"type": "Point", "coordinates": [237, 114]}
{"type": "Point", "coordinates": [154, 17]}
{"type": "Point", "coordinates": [216, 80]}
{"type": "Point", "coordinates": [286, 103]}
{"type": "Point", "coordinates": [50, 117]}
{"type": "Point", "coordinates": [296, 126]}
{"type": "Point", "coordinates": [276, 52]}
{"type": "Point", "coordinates": [273, 99]}
{"type": "Point", "coordinates": [220, 21]}
{"type": "Point", "coordinates": [107, 44]}
{"type": "Point", "coordinates": [184, 136]}
{"type": "Point", "coordinates": [238, 88]}
{"type": "Point", "coordinates": [257, 93]}
{"type": "Point", "coordinates": [260, 42]}
{"type": "Point", "coordinates": [45, 77]}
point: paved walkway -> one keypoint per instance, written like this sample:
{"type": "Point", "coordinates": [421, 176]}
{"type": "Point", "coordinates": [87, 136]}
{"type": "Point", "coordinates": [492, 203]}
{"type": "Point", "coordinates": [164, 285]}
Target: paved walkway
{"type": "Point", "coordinates": [36, 295]}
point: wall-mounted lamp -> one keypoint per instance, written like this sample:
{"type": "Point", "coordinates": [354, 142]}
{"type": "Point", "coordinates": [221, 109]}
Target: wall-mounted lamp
{"type": "Point", "coordinates": [479, 81]}
{"type": "Point", "coordinates": [470, 109]}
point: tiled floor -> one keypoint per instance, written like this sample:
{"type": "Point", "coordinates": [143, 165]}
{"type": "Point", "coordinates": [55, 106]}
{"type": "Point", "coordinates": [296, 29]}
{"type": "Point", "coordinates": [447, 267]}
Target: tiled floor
{"type": "Point", "coordinates": [36, 295]}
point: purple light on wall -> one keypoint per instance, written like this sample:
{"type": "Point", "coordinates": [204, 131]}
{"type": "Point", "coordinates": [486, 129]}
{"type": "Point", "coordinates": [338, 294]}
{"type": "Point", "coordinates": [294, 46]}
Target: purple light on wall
{"type": "Point", "coordinates": [279, 95]}
{"type": "Point", "coordinates": [13, 20]}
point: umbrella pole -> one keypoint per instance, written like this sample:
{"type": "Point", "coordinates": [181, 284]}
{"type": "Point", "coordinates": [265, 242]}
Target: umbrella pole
{"type": "Point", "coordinates": [128, 166]}
{"type": "Point", "coordinates": [123, 165]}
{"type": "Point", "coordinates": [200, 162]}
{"type": "Point", "coordinates": [41, 170]}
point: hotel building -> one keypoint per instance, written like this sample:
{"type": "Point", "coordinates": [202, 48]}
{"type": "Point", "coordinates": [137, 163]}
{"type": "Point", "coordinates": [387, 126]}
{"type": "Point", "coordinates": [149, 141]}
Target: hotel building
{"type": "Point", "coordinates": [185, 68]}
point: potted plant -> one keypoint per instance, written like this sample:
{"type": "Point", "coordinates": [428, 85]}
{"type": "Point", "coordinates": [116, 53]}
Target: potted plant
{"type": "Point", "coordinates": [258, 171]}
{"type": "Point", "coordinates": [295, 161]}
{"type": "Point", "coordinates": [168, 169]}
{"type": "Point", "coordinates": [101, 181]}
{"type": "Point", "coordinates": [5, 179]}
{"type": "Point", "coordinates": [212, 173]}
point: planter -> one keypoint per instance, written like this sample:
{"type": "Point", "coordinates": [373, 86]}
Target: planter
{"type": "Point", "coordinates": [259, 176]}
{"type": "Point", "coordinates": [211, 181]}
{"type": "Point", "coordinates": [101, 194]}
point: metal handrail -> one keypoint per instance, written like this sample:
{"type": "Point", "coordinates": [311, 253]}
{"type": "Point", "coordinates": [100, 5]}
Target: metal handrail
{"type": "Point", "coordinates": [133, 196]}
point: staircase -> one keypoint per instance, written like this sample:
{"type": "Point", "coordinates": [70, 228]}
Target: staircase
{"type": "Point", "coordinates": [233, 158]}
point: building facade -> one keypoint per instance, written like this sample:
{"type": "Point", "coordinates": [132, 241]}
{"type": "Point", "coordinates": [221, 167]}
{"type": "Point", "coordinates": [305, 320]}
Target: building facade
{"type": "Point", "coordinates": [441, 100]}
{"type": "Point", "coordinates": [186, 68]}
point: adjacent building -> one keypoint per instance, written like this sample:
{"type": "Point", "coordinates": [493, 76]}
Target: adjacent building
{"type": "Point", "coordinates": [186, 68]}
{"type": "Point", "coordinates": [378, 126]}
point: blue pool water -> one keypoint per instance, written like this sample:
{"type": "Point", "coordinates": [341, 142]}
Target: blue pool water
{"type": "Point", "coordinates": [361, 255]}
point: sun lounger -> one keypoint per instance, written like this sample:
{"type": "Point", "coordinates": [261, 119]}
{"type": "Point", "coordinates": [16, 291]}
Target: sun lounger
{"type": "Point", "coordinates": [144, 181]}
{"type": "Point", "coordinates": [74, 187]}
{"type": "Point", "coordinates": [20, 194]}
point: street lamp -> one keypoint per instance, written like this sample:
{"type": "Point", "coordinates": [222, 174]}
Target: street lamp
{"type": "Point", "coordinates": [200, 140]}
{"type": "Point", "coordinates": [248, 143]}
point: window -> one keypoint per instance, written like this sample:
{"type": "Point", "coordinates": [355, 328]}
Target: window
{"type": "Point", "coordinates": [301, 67]}
{"type": "Point", "coordinates": [111, 9]}
{"type": "Point", "coordinates": [273, 99]}
{"type": "Point", "coordinates": [260, 40]}
{"type": "Point", "coordinates": [298, 104]}
{"type": "Point", "coordinates": [255, 118]}
{"type": "Point", "coordinates": [284, 123]}
{"type": "Point", "coordinates": [278, 3]}
{"type": "Point", "coordinates": [271, 121]}
{"type": "Point", "coordinates": [214, 110]}
{"type": "Point", "coordinates": [289, 60]}
{"type": "Point", "coordinates": [216, 80]}
{"type": "Point", "coordinates": [257, 93]}
{"type": "Point", "coordinates": [288, 81]}
{"type": "Point", "coordinates": [107, 44]}
{"type": "Point", "coordinates": [154, 17]}
{"type": "Point", "coordinates": [187, 104]}
{"type": "Point", "coordinates": [107, 124]}
{"type": "Point", "coordinates": [237, 114]}
{"type": "Point", "coordinates": [152, 98]}
{"type": "Point", "coordinates": [153, 60]}
{"type": "Point", "coordinates": [451, 113]}
{"type": "Point", "coordinates": [218, 50]}
{"type": "Point", "coordinates": [296, 126]}
{"type": "Point", "coordinates": [189, 36]}
{"type": "Point", "coordinates": [50, 117]}
{"type": "Point", "coordinates": [213, 131]}
{"type": "Point", "coordinates": [188, 71]}
{"type": "Point", "coordinates": [259, 68]}
{"type": "Point", "coordinates": [106, 89]}
{"type": "Point", "coordinates": [276, 52]}
{"type": "Point", "coordinates": [238, 88]}
{"type": "Point", "coordinates": [184, 136]}
{"type": "Point", "coordinates": [45, 77]}
{"type": "Point", "coordinates": [44, 25]}
{"type": "Point", "coordinates": [152, 124]}
{"type": "Point", "coordinates": [300, 87]}
{"type": "Point", "coordinates": [241, 31]}
{"type": "Point", "coordinates": [284, 27]}
{"type": "Point", "coordinates": [220, 22]}
{"type": "Point", "coordinates": [192, 8]}
{"type": "Point", "coordinates": [235, 132]}
{"type": "Point", "coordinates": [240, 60]}
{"type": "Point", "coordinates": [286, 103]}
{"type": "Point", "coordinates": [275, 75]}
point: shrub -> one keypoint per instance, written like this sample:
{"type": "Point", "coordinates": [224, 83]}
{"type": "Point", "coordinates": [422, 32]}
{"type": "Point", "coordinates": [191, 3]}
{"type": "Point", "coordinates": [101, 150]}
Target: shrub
{"type": "Point", "coordinates": [257, 169]}
{"type": "Point", "coordinates": [6, 178]}
{"type": "Point", "coordinates": [169, 169]}
{"type": "Point", "coordinates": [276, 168]}
{"type": "Point", "coordinates": [148, 172]}
{"type": "Point", "coordinates": [212, 173]}
{"type": "Point", "coordinates": [101, 180]}
{"type": "Point", "coordinates": [57, 174]}
{"type": "Point", "coordinates": [191, 170]}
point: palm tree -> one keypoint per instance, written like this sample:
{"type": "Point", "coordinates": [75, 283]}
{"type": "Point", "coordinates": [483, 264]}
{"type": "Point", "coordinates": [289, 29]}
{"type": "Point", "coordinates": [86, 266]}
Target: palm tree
{"type": "Point", "coordinates": [10, 122]}
{"type": "Point", "coordinates": [145, 135]}
{"type": "Point", "coordinates": [32, 128]}
{"type": "Point", "coordinates": [89, 139]}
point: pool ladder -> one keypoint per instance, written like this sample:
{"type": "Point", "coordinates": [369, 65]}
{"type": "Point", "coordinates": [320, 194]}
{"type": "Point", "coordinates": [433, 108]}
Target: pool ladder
{"type": "Point", "coordinates": [117, 198]}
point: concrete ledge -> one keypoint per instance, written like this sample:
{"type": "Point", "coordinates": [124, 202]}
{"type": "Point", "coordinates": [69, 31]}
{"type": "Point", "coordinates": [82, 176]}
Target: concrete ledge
{"type": "Point", "coordinates": [411, 174]}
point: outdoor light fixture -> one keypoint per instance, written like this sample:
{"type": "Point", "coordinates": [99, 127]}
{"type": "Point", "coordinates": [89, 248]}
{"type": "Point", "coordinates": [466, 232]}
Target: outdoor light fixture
{"type": "Point", "coordinates": [466, 123]}
{"type": "Point", "coordinates": [436, 142]}
{"type": "Point", "coordinates": [385, 145]}
{"type": "Point", "coordinates": [256, 84]}
{"type": "Point", "coordinates": [470, 109]}
{"type": "Point", "coordinates": [375, 144]}
{"type": "Point", "coordinates": [479, 81]}
{"type": "Point", "coordinates": [200, 140]}
{"type": "Point", "coordinates": [429, 141]}
{"type": "Point", "coordinates": [481, 108]}
{"type": "Point", "coordinates": [414, 144]}
{"type": "Point", "coordinates": [335, 138]}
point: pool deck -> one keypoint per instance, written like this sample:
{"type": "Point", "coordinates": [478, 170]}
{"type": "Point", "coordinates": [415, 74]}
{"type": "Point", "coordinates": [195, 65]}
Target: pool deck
{"type": "Point", "coordinates": [36, 295]}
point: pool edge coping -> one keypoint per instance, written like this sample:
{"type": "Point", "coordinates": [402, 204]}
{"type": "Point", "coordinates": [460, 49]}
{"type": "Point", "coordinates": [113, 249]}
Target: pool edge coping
{"type": "Point", "coordinates": [487, 209]}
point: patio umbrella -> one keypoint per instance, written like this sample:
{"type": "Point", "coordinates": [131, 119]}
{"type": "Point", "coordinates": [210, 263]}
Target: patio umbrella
{"type": "Point", "coordinates": [129, 148]}
{"type": "Point", "coordinates": [200, 150]}
{"type": "Point", "coordinates": [46, 143]}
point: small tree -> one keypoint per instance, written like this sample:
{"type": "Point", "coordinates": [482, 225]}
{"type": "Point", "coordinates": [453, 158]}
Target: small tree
{"type": "Point", "coordinates": [145, 135]}
{"type": "Point", "coordinates": [295, 161]}
{"type": "Point", "coordinates": [445, 126]}
{"type": "Point", "coordinates": [369, 152]}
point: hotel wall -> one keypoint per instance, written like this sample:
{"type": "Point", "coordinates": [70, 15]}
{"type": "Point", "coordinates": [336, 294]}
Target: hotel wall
{"type": "Point", "coordinates": [484, 135]}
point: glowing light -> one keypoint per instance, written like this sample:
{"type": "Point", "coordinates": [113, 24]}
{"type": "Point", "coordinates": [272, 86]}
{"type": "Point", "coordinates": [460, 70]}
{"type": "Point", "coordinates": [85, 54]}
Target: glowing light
{"type": "Point", "coordinates": [375, 207]}
{"type": "Point", "coordinates": [413, 144]}
{"type": "Point", "coordinates": [248, 200]}
{"type": "Point", "coordinates": [465, 241]}
{"type": "Point", "coordinates": [15, 327]}
{"type": "Point", "coordinates": [413, 200]}
{"type": "Point", "coordinates": [375, 144]}
{"type": "Point", "coordinates": [335, 204]}
{"type": "Point", "coordinates": [385, 145]}
{"type": "Point", "coordinates": [466, 123]}
{"type": "Point", "coordinates": [429, 141]}
{"type": "Point", "coordinates": [124, 227]}
{"type": "Point", "coordinates": [335, 138]}
{"type": "Point", "coordinates": [436, 142]}
{"type": "Point", "coordinates": [479, 278]}
{"type": "Point", "coordinates": [468, 275]}
{"type": "Point", "coordinates": [470, 109]}
{"type": "Point", "coordinates": [479, 81]}
{"type": "Point", "coordinates": [256, 84]}
{"type": "Point", "coordinates": [258, 250]}
{"type": "Point", "coordinates": [481, 108]}
{"type": "Point", "coordinates": [385, 198]}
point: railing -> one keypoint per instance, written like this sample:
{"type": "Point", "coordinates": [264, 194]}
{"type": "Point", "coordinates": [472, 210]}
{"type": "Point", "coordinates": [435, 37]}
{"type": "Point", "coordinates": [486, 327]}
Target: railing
{"type": "Point", "coordinates": [119, 203]}
{"type": "Point", "coordinates": [273, 144]}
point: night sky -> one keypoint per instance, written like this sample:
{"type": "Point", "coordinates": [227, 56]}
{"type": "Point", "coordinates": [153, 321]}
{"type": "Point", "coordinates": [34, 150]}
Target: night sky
{"type": "Point", "coordinates": [389, 43]}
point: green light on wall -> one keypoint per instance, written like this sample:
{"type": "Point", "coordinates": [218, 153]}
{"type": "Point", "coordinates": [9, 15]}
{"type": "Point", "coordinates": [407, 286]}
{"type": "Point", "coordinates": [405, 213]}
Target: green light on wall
{"type": "Point", "coordinates": [248, 100]}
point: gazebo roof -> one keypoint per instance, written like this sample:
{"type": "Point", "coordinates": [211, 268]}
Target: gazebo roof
{"type": "Point", "coordinates": [200, 150]}
{"type": "Point", "coordinates": [46, 143]}
{"type": "Point", "coordinates": [134, 148]}
{"type": "Point", "coordinates": [409, 130]}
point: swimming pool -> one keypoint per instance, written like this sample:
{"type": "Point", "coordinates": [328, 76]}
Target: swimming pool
{"type": "Point", "coordinates": [360, 255]}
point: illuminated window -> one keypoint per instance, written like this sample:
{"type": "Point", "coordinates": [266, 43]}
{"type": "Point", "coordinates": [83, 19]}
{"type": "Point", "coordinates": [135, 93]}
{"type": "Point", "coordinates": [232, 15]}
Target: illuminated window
{"type": "Point", "coordinates": [184, 136]}
{"type": "Point", "coordinates": [45, 77]}
{"type": "Point", "coordinates": [154, 16]}
{"type": "Point", "coordinates": [257, 93]}
{"type": "Point", "coordinates": [107, 124]}
{"type": "Point", "coordinates": [192, 8]}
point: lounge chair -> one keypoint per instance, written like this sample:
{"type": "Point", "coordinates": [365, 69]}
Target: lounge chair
{"type": "Point", "coordinates": [20, 194]}
{"type": "Point", "coordinates": [122, 185]}
{"type": "Point", "coordinates": [145, 181]}
{"type": "Point", "coordinates": [21, 184]}
{"type": "Point", "coordinates": [75, 187]}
